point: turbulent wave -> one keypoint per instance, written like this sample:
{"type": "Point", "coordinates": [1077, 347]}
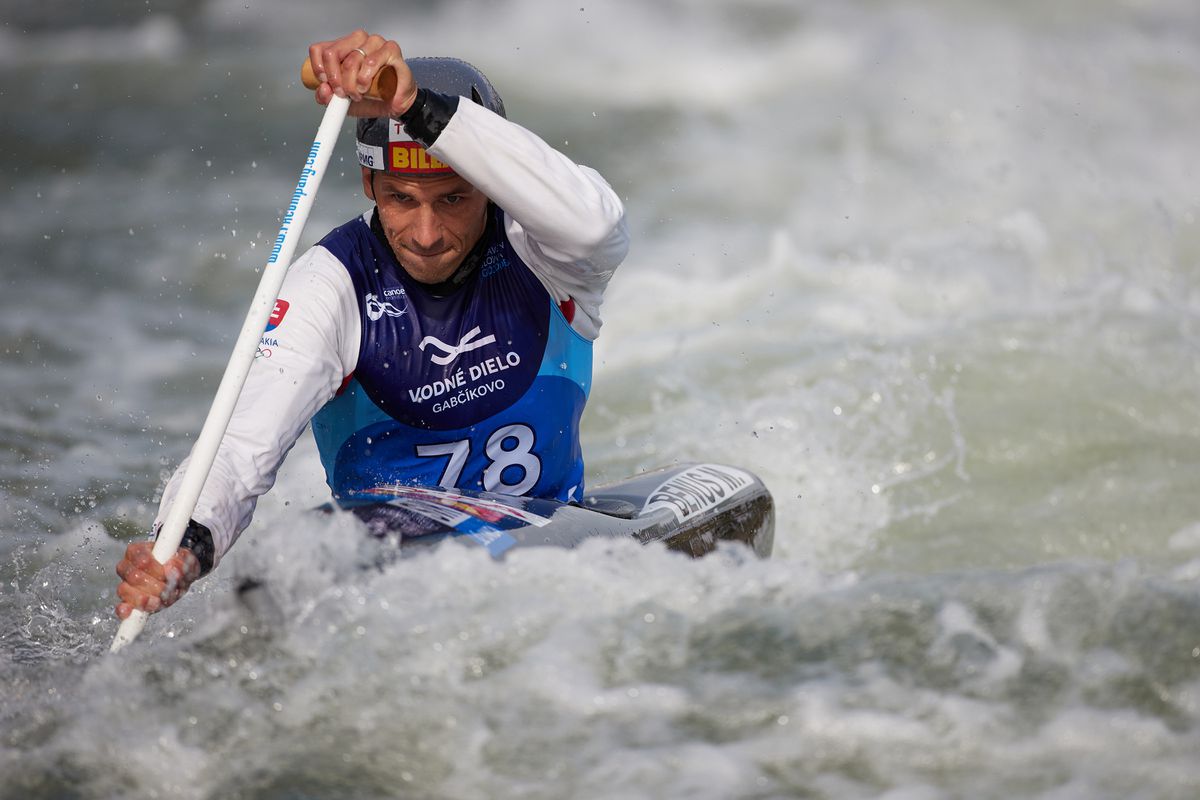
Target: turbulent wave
{"type": "Point", "coordinates": [620, 671]}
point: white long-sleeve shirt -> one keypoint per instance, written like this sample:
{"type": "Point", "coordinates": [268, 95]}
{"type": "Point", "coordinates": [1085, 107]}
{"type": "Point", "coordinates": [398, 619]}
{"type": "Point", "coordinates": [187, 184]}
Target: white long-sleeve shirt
{"type": "Point", "coordinates": [563, 220]}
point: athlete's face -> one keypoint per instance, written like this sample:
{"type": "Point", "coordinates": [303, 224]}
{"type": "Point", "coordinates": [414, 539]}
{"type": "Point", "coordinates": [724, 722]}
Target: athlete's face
{"type": "Point", "coordinates": [430, 222]}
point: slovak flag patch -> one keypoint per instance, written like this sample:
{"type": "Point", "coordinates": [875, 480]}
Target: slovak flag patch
{"type": "Point", "coordinates": [277, 314]}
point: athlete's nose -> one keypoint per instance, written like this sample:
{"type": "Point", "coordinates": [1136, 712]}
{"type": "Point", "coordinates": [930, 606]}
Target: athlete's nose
{"type": "Point", "coordinates": [427, 232]}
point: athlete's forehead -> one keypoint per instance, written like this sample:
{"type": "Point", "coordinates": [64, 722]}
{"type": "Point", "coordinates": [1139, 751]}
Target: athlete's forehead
{"type": "Point", "coordinates": [422, 186]}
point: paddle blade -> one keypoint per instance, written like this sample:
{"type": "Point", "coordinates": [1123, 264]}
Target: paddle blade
{"type": "Point", "coordinates": [130, 627]}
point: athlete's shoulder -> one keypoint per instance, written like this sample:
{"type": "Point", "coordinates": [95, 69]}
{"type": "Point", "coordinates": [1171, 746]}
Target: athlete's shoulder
{"type": "Point", "coordinates": [348, 243]}
{"type": "Point", "coordinates": [320, 279]}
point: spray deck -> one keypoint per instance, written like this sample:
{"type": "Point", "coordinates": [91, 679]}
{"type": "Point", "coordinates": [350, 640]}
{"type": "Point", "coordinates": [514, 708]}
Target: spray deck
{"type": "Point", "coordinates": [691, 508]}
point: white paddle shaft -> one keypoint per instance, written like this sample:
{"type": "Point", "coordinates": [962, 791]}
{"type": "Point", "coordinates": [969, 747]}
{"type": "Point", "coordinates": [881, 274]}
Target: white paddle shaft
{"type": "Point", "coordinates": [204, 452]}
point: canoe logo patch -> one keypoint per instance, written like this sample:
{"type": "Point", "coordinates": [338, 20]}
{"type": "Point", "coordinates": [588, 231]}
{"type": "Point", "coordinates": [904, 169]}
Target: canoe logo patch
{"type": "Point", "coordinates": [697, 489]}
{"type": "Point", "coordinates": [376, 308]}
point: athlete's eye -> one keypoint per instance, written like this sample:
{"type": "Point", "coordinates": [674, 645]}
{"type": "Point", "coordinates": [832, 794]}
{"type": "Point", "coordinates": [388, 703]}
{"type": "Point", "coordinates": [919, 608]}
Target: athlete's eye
{"type": "Point", "coordinates": [452, 199]}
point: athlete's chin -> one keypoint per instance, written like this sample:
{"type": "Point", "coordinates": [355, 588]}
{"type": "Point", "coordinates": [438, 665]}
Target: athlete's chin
{"type": "Point", "coordinates": [431, 268]}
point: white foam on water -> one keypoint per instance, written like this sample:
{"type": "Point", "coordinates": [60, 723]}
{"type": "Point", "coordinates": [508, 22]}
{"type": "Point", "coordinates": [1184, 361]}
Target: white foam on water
{"type": "Point", "coordinates": [628, 671]}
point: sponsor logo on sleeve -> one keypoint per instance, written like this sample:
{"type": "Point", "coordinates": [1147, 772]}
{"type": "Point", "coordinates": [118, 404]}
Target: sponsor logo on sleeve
{"type": "Point", "coordinates": [697, 490]}
{"type": "Point", "coordinates": [277, 314]}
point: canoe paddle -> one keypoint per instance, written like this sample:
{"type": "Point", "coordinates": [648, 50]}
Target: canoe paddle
{"type": "Point", "coordinates": [204, 452]}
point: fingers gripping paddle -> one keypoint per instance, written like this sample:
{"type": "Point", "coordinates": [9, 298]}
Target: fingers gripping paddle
{"type": "Point", "coordinates": [205, 450]}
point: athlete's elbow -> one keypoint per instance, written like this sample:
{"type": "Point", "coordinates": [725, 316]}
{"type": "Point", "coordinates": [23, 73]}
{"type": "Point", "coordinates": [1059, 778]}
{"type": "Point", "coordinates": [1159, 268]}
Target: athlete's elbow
{"type": "Point", "coordinates": [606, 239]}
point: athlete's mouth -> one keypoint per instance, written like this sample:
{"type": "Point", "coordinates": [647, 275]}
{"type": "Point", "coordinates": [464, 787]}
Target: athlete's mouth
{"type": "Point", "coordinates": [424, 253]}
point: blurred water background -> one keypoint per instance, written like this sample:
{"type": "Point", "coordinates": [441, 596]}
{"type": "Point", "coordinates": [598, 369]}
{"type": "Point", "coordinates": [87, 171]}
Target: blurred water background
{"type": "Point", "coordinates": [931, 268]}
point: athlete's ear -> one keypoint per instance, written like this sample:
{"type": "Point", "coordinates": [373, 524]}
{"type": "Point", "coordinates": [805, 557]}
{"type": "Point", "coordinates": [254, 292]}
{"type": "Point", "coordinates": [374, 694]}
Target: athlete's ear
{"type": "Point", "coordinates": [368, 184]}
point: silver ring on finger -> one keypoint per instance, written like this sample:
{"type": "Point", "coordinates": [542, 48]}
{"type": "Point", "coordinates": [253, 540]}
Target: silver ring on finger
{"type": "Point", "coordinates": [360, 50]}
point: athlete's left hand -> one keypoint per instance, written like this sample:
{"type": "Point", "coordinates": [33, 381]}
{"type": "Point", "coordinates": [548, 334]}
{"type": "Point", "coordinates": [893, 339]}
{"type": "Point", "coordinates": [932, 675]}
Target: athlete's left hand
{"type": "Point", "coordinates": [150, 586]}
{"type": "Point", "coordinates": [346, 66]}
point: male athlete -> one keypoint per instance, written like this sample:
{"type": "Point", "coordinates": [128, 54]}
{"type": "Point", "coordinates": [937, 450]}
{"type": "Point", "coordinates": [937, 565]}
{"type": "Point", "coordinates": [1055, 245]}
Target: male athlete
{"type": "Point", "coordinates": [442, 339]}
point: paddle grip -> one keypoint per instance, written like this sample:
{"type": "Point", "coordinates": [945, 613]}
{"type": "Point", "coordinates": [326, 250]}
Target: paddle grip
{"type": "Point", "coordinates": [383, 85]}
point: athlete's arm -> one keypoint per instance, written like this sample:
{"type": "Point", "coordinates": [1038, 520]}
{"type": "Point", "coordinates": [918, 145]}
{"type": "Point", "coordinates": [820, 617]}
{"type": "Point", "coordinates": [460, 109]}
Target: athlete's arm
{"type": "Point", "coordinates": [568, 209]}
{"type": "Point", "coordinates": [564, 220]}
{"type": "Point", "coordinates": [300, 365]}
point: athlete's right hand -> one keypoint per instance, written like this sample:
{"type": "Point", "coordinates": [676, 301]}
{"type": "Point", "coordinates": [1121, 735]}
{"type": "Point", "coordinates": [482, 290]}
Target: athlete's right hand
{"type": "Point", "coordinates": [149, 586]}
{"type": "Point", "coordinates": [347, 65]}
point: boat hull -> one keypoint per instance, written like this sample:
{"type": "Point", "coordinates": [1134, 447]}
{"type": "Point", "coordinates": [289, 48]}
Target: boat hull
{"type": "Point", "coordinates": [692, 508]}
